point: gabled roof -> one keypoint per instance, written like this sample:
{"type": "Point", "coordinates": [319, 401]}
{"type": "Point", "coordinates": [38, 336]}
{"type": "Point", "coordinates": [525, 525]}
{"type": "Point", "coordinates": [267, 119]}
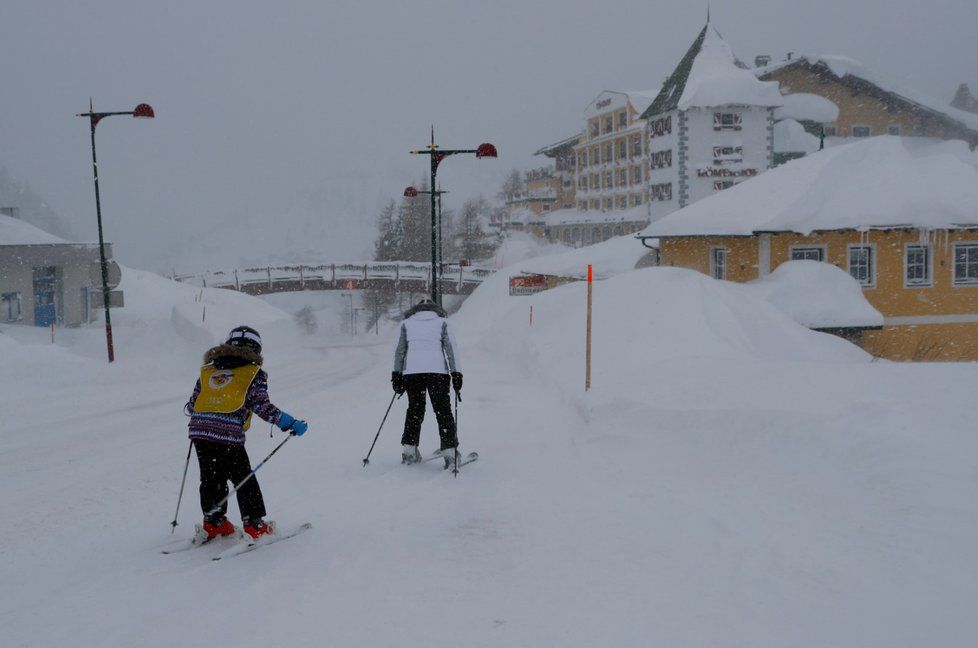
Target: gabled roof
{"type": "Point", "coordinates": [847, 69]}
{"type": "Point", "coordinates": [711, 75]}
{"type": "Point", "coordinates": [874, 183]}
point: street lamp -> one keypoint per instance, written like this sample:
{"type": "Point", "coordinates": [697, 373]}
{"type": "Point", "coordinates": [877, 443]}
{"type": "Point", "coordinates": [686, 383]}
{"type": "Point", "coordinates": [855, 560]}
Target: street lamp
{"type": "Point", "coordinates": [143, 111]}
{"type": "Point", "coordinates": [411, 192]}
{"type": "Point", "coordinates": [437, 155]}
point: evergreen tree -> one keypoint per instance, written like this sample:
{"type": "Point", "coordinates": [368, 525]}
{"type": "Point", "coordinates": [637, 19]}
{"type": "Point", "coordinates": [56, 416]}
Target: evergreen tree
{"type": "Point", "coordinates": [513, 186]}
{"type": "Point", "coordinates": [390, 233]}
{"type": "Point", "coordinates": [472, 241]}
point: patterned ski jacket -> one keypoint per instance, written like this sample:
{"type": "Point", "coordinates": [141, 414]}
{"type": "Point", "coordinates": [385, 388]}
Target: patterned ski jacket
{"type": "Point", "coordinates": [425, 343]}
{"type": "Point", "coordinates": [229, 428]}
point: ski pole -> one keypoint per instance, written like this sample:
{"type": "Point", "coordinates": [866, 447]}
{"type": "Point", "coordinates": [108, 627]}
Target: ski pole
{"type": "Point", "coordinates": [366, 459]}
{"type": "Point", "coordinates": [173, 525]}
{"type": "Point", "coordinates": [217, 507]}
{"type": "Point", "coordinates": [457, 399]}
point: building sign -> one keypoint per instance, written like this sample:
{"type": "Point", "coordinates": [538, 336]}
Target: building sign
{"type": "Point", "coordinates": [349, 284]}
{"type": "Point", "coordinates": [726, 173]}
{"type": "Point", "coordinates": [603, 103]}
{"type": "Point", "coordinates": [522, 285]}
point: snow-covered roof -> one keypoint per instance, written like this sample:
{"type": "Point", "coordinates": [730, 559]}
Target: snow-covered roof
{"type": "Point", "coordinates": [804, 106]}
{"type": "Point", "coordinates": [710, 75]}
{"type": "Point", "coordinates": [596, 217]}
{"type": "Point", "coordinates": [553, 149]}
{"type": "Point", "coordinates": [791, 137]}
{"type": "Point", "coordinates": [16, 232]}
{"type": "Point", "coordinates": [817, 295]}
{"type": "Point", "coordinates": [877, 182]}
{"type": "Point", "coordinates": [842, 66]}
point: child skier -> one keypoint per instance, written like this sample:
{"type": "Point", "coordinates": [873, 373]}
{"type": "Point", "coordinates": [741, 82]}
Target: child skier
{"type": "Point", "coordinates": [425, 361]}
{"type": "Point", "coordinates": [232, 386]}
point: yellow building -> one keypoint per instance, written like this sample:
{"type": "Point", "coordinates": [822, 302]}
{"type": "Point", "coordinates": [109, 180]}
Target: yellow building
{"type": "Point", "coordinates": [901, 216]}
{"type": "Point", "coordinates": [867, 105]}
{"type": "Point", "coordinates": [611, 169]}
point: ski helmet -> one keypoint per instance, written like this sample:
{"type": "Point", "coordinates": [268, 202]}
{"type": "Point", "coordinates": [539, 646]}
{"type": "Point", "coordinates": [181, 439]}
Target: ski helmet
{"type": "Point", "coordinates": [244, 336]}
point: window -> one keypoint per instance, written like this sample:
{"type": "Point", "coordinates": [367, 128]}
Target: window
{"type": "Point", "coordinates": [636, 174]}
{"type": "Point", "coordinates": [661, 159]}
{"type": "Point", "coordinates": [661, 126]}
{"type": "Point", "coordinates": [595, 182]}
{"type": "Point", "coordinates": [607, 180]}
{"type": "Point", "coordinates": [595, 204]}
{"type": "Point", "coordinates": [727, 121]}
{"type": "Point", "coordinates": [622, 119]}
{"type": "Point", "coordinates": [608, 124]}
{"type": "Point", "coordinates": [582, 205]}
{"type": "Point", "coordinates": [861, 264]}
{"type": "Point", "coordinates": [636, 200]}
{"type": "Point", "coordinates": [622, 177]}
{"type": "Point", "coordinates": [728, 154]}
{"type": "Point", "coordinates": [830, 129]}
{"type": "Point", "coordinates": [593, 155]}
{"type": "Point", "coordinates": [917, 266]}
{"type": "Point", "coordinates": [10, 307]}
{"type": "Point", "coordinates": [606, 152]}
{"type": "Point", "coordinates": [861, 131]}
{"type": "Point", "coordinates": [622, 148]}
{"type": "Point", "coordinates": [808, 253]}
{"type": "Point", "coordinates": [718, 262]}
{"type": "Point", "coordinates": [582, 159]}
{"type": "Point", "coordinates": [662, 191]}
{"type": "Point", "coordinates": [966, 263]}
{"type": "Point", "coordinates": [636, 145]}
{"type": "Point", "coordinates": [622, 202]}
{"type": "Point", "coordinates": [607, 204]}
{"type": "Point", "coordinates": [893, 129]}
{"type": "Point", "coordinates": [594, 128]}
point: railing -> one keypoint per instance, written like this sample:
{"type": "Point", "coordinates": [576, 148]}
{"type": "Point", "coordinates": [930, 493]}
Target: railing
{"type": "Point", "coordinates": [455, 278]}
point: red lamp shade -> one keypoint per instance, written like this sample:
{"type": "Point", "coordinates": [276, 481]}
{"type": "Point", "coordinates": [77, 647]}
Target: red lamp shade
{"type": "Point", "coordinates": [486, 150]}
{"type": "Point", "coordinates": [410, 192]}
{"type": "Point", "coordinates": [144, 111]}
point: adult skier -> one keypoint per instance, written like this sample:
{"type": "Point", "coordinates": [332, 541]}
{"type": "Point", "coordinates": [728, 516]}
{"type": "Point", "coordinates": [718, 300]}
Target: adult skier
{"type": "Point", "coordinates": [426, 362]}
{"type": "Point", "coordinates": [232, 386]}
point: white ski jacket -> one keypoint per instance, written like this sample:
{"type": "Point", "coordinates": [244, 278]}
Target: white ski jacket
{"type": "Point", "coordinates": [425, 345]}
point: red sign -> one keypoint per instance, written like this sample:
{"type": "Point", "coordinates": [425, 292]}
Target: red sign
{"type": "Point", "coordinates": [522, 285]}
{"type": "Point", "coordinates": [349, 284]}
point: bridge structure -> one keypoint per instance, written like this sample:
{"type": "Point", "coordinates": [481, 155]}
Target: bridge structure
{"type": "Point", "coordinates": [403, 276]}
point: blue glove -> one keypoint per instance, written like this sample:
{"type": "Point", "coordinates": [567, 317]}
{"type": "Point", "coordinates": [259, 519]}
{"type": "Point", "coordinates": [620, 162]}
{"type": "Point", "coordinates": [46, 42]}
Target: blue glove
{"type": "Point", "coordinates": [285, 421]}
{"type": "Point", "coordinates": [299, 428]}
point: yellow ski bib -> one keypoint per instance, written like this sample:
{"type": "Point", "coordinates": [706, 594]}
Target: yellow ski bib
{"type": "Point", "coordinates": [224, 390]}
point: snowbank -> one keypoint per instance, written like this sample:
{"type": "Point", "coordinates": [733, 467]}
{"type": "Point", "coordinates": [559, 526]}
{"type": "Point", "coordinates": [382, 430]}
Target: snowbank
{"type": "Point", "coordinates": [791, 137]}
{"type": "Point", "coordinates": [817, 295]}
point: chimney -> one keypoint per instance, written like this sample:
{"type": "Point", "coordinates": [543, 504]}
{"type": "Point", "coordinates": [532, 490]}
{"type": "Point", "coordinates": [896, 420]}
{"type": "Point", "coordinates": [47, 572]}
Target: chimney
{"type": "Point", "coordinates": [761, 60]}
{"type": "Point", "coordinates": [790, 54]}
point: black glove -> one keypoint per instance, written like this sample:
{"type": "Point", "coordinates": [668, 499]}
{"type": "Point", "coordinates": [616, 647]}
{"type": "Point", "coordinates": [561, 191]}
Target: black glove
{"type": "Point", "coordinates": [457, 381]}
{"type": "Point", "coordinates": [397, 382]}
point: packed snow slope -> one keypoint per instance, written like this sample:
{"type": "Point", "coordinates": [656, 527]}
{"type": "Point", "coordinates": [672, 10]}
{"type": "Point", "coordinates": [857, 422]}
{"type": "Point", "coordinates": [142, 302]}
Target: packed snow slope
{"type": "Point", "coordinates": [731, 479]}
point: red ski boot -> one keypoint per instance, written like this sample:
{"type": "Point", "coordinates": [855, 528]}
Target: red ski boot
{"type": "Point", "coordinates": [259, 528]}
{"type": "Point", "coordinates": [224, 528]}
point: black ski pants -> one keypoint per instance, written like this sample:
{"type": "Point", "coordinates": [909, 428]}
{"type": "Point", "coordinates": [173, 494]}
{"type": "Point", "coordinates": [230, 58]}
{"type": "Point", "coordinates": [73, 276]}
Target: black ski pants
{"type": "Point", "coordinates": [219, 464]}
{"type": "Point", "coordinates": [437, 387]}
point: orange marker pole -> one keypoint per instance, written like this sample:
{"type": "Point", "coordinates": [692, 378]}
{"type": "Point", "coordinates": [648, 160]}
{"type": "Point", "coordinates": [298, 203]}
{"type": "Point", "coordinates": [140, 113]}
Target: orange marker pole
{"type": "Point", "coordinates": [587, 362]}
{"type": "Point", "coordinates": [531, 314]}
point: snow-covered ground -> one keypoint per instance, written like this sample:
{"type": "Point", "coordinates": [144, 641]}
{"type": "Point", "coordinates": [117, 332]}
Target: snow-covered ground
{"type": "Point", "coordinates": [732, 479]}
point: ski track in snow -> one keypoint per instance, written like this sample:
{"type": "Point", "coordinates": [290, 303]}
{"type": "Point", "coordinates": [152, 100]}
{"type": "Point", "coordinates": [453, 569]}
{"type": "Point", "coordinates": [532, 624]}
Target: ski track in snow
{"type": "Point", "coordinates": [701, 515]}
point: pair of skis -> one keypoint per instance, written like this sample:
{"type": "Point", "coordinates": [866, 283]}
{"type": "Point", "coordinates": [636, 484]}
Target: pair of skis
{"type": "Point", "coordinates": [462, 460]}
{"type": "Point", "coordinates": [243, 543]}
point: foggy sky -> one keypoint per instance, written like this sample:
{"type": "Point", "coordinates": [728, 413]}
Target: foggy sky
{"type": "Point", "coordinates": [283, 124]}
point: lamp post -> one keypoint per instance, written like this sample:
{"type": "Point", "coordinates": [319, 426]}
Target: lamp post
{"type": "Point", "coordinates": [437, 155]}
{"type": "Point", "coordinates": [141, 111]}
{"type": "Point", "coordinates": [411, 192]}
{"type": "Point", "coordinates": [352, 326]}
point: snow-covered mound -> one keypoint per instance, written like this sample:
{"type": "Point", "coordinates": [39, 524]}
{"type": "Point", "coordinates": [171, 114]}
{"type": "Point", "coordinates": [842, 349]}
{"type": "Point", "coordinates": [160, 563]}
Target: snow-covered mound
{"type": "Point", "coordinates": [645, 317]}
{"type": "Point", "coordinates": [520, 246]}
{"type": "Point", "coordinates": [817, 295]}
{"type": "Point", "coordinates": [17, 232]}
